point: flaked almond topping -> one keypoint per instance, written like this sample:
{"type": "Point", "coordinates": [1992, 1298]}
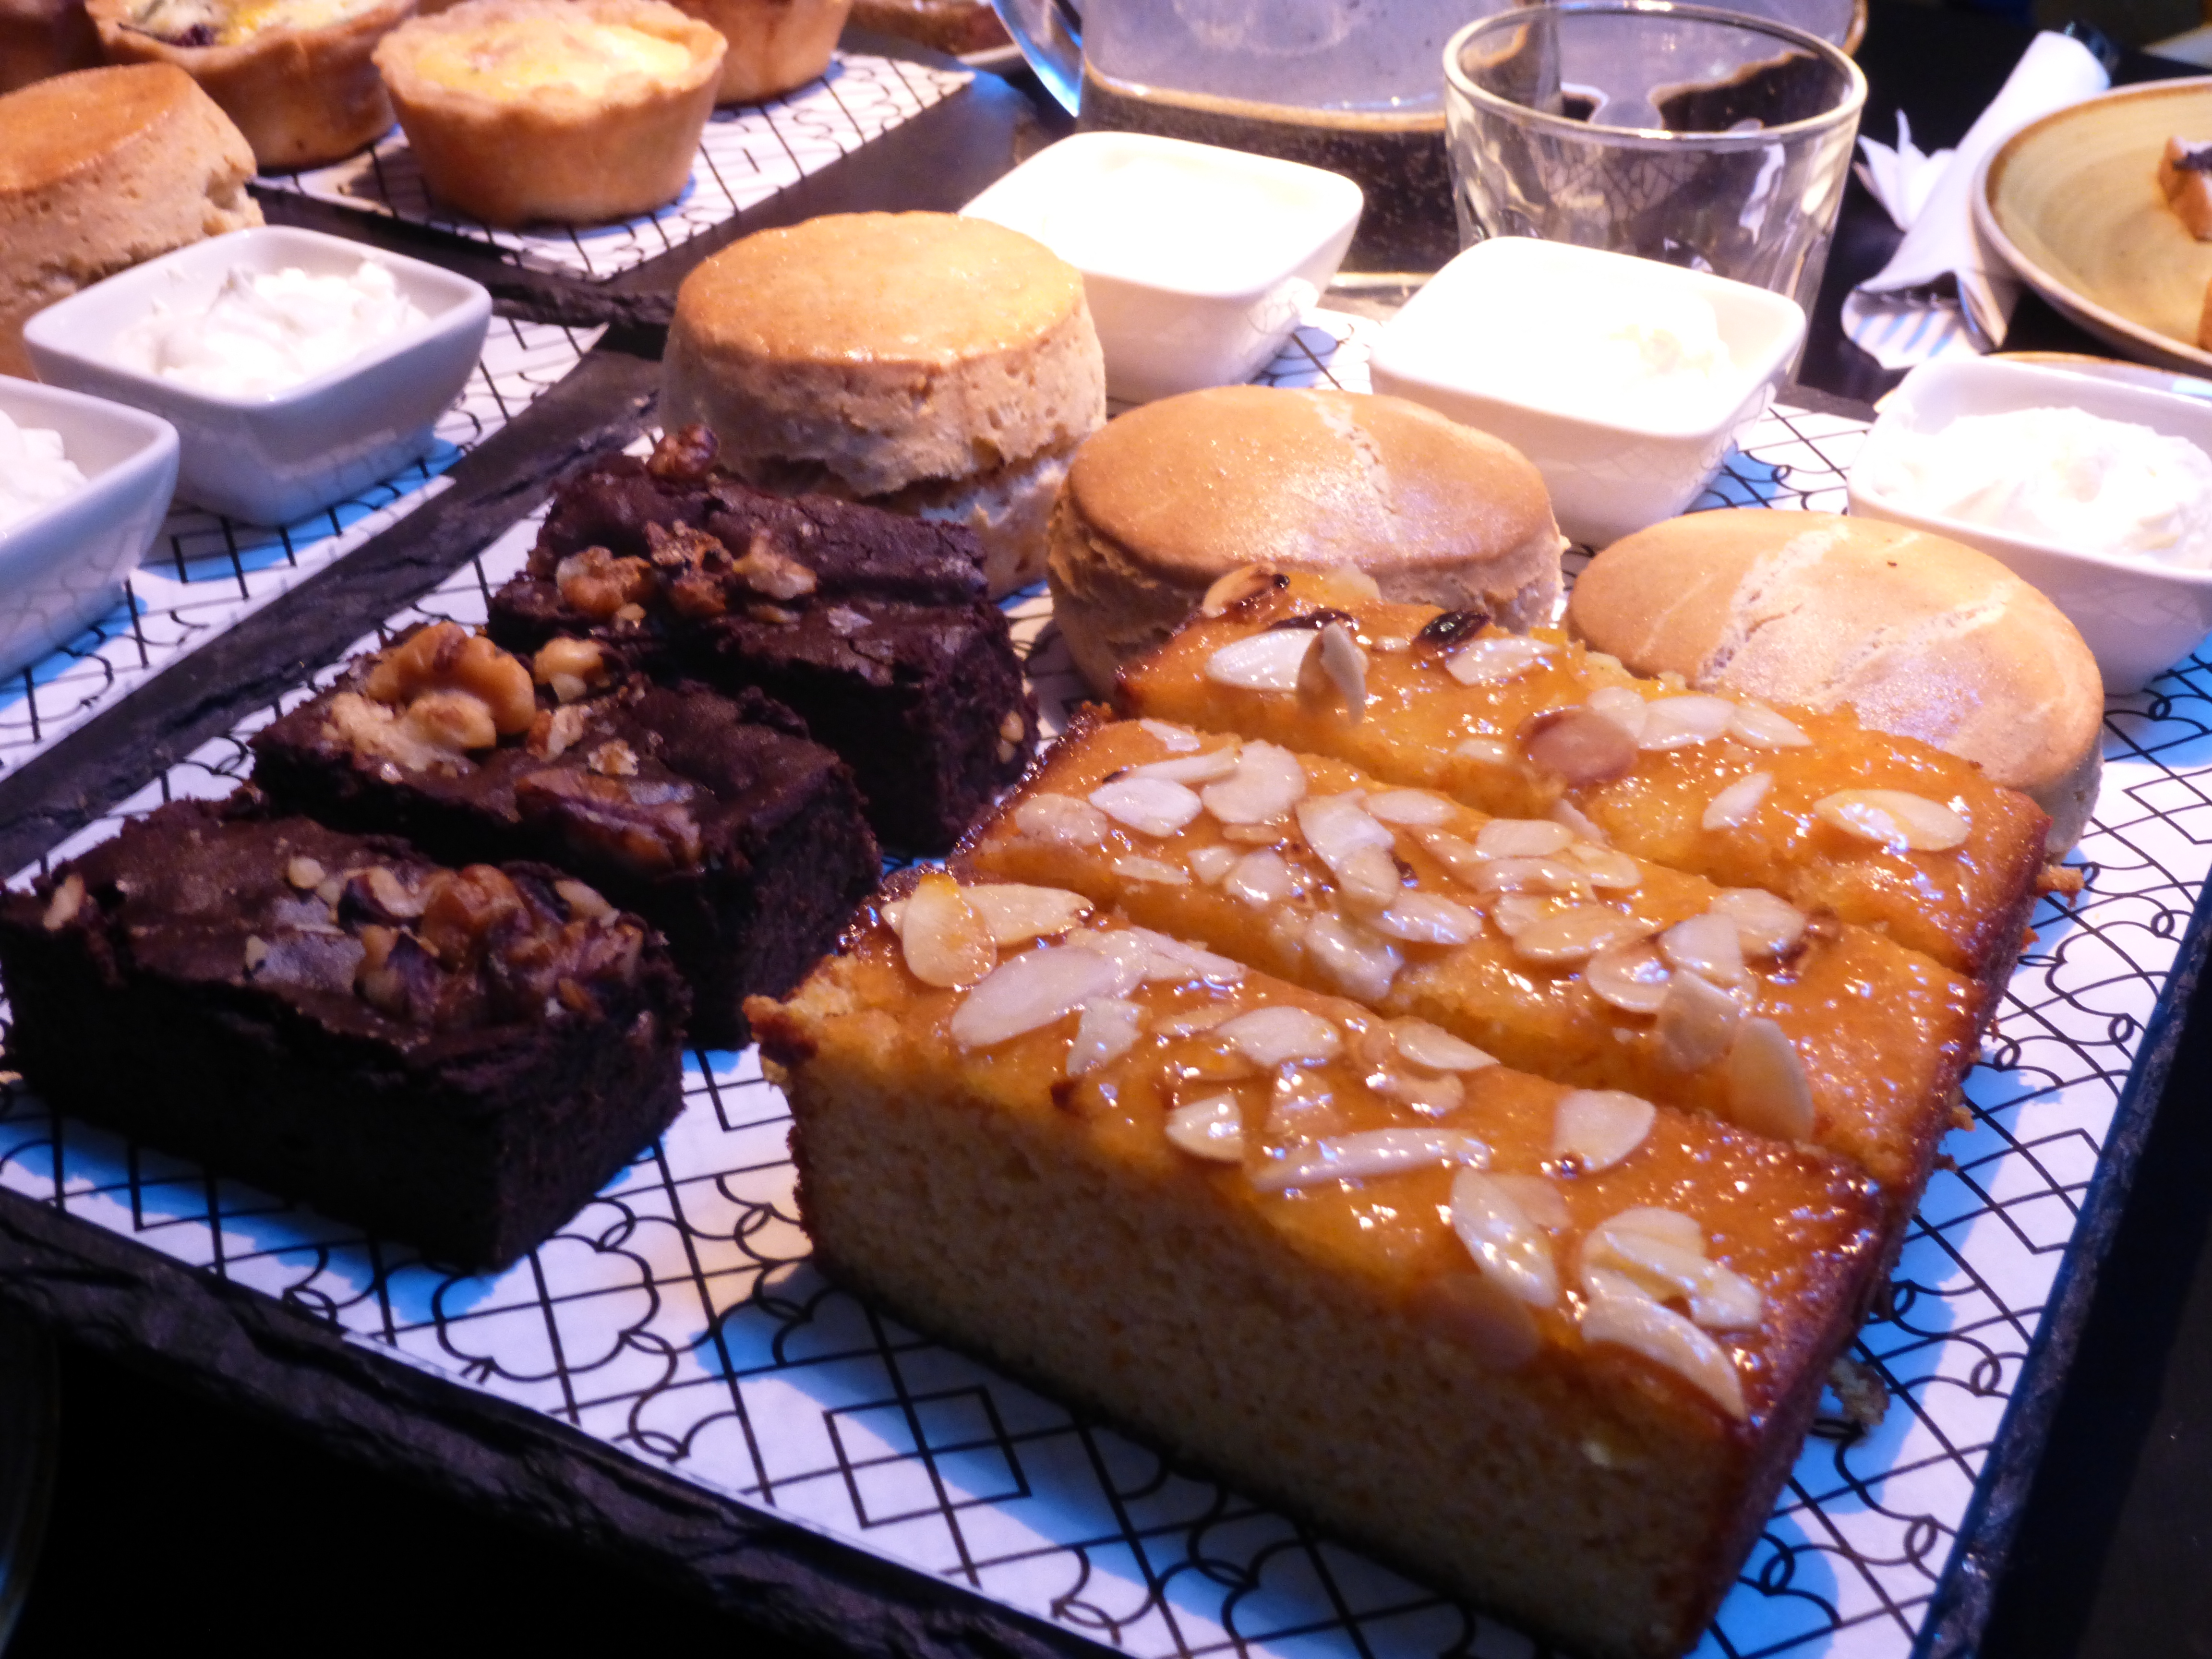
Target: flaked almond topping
{"type": "Point", "coordinates": [1708, 946]}
{"type": "Point", "coordinates": [1191, 1024]}
{"type": "Point", "coordinates": [1369, 1152]}
{"type": "Point", "coordinates": [1030, 992]}
{"type": "Point", "coordinates": [1061, 820]}
{"type": "Point", "coordinates": [1614, 871]}
{"type": "Point", "coordinates": [1683, 722]}
{"type": "Point", "coordinates": [1267, 661]}
{"type": "Point", "coordinates": [1015, 912]}
{"type": "Point", "coordinates": [571, 667]}
{"type": "Point", "coordinates": [1540, 1199]}
{"type": "Point", "coordinates": [1276, 1035]}
{"type": "Point", "coordinates": [1435, 1049]}
{"type": "Point", "coordinates": [1268, 782]}
{"type": "Point", "coordinates": [1895, 818]}
{"type": "Point", "coordinates": [1572, 935]}
{"type": "Point", "coordinates": [1363, 962]}
{"type": "Point", "coordinates": [1191, 768]}
{"type": "Point", "coordinates": [1175, 739]}
{"type": "Point", "coordinates": [1578, 824]}
{"type": "Point", "coordinates": [1732, 808]}
{"type": "Point", "coordinates": [1577, 746]}
{"type": "Point", "coordinates": [1107, 1029]}
{"type": "Point", "coordinates": [1496, 658]}
{"type": "Point", "coordinates": [1335, 669]}
{"type": "Point", "coordinates": [1286, 932]}
{"type": "Point", "coordinates": [1766, 925]}
{"type": "Point", "coordinates": [1353, 844]}
{"type": "Point", "coordinates": [1623, 707]}
{"type": "Point", "coordinates": [1150, 805]}
{"type": "Point", "coordinates": [1262, 878]}
{"type": "Point", "coordinates": [583, 901]}
{"type": "Point", "coordinates": [1422, 918]}
{"type": "Point", "coordinates": [1698, 1023]}
{"type": "Point", "coordinates": [1755, 723]}
{"type": "Point", "coordinates": [304, 873]}
{"type": "Point", "coordinates": [1668, 1340]}
{"type": "Point", "coordinates": [1212, 1128]}
{"type": "Point", "coordinates": [1510, 1246]}
{"type": "Point", "coordinates": [1343, 584]}
{"type": "Point", "coordinates": [1598, 1127]}
{"type": "Point", "coordinates": [945, 942]}
{"type": "Point", "coordinates": [1432, 1094]}
{"type": "Point", "coordinates": [613, 759]}
{"type": "Point", "coordinates": [1414, 807]}
{"type": "Point", "coordinates": [1132, 867]}
{"type": "Point", "coordinates": [1485, 751]}
{"type": "Point", "coordinates": [1520, 838]}
{"type": "Point", "coordinates": [1660, 1254]}
{"type": "Point", "coordinates": [1533, 875]}
{"type": "Point", "coordinates": [1455, 854]}
{"type": "Point", "coordinates": [1247, 581]}
{"type": "Point", "coordinates": [1148, 957]}
{"type": "Point", "coordinates": [1211, 864]}
{"type": "Point", "coordinates": [1631, 977]}
{"type": "Point", "coordinates": [1768, 1090]}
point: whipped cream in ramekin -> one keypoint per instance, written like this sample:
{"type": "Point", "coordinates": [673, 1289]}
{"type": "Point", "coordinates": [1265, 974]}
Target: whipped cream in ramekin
{"type": "Point", "coordinates": [267, 332]}
{"type": "Point", "coordinates": [2062, 476]}
{"type": "Point", "coordinates": [35, 473]}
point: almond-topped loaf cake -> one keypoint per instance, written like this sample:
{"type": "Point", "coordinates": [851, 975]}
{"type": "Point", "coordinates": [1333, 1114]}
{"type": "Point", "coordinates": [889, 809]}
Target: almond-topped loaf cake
{"type": "Point", "coordinates": [1567, 959]}
{"type": "Point", "coordinates": [1551, 1348]}
{"type": "Point", "coordinates": [1882, 830]}
{"type": "Point", "coordinates": [712, 818]}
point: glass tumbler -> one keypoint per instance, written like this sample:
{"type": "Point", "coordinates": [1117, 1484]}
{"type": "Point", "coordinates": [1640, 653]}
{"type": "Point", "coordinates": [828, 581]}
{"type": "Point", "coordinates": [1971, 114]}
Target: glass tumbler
{"type": "Point", "coordinates": [1702, 138]}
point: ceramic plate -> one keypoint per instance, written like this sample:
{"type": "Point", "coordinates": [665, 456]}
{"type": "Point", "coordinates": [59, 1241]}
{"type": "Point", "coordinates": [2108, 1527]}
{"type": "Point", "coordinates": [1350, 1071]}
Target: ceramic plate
{"type": "Point", "coordinates": [2072, 204]}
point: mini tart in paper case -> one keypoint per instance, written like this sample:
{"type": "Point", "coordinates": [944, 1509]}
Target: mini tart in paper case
{"type": "Point", "coordinates": [1174, 496]}
{"type": "Point", "coordinates": [102, 169]}
{"type": "Point", "coordinates": [574, 111]}
{"type": "Point", "coordinates": [916, 361]}
{"type": "Point", "coordinates": [774, 45]}
{"type": "Point", "coordinates": [1915, 633]}
{"type": "Point", "coordinates": [294, 74]}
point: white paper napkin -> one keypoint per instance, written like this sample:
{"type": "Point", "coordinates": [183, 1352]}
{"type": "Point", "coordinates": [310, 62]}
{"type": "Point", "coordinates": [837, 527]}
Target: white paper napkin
{"type": "Point", "coordinates": [1942, 291]}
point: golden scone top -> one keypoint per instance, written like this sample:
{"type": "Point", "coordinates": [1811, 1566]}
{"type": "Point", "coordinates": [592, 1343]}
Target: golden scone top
{"type": "Point", "coordinates": [1560, 1228]}
{"type": "Point", "coordinates": [72, 122]}
{"type": "Point", "coordinates": [930, 288]}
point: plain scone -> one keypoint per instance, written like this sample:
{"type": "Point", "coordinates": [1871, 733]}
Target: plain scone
{"type": "Point", "coordinates": [1916, 635]}
{"type": "Point", "coordinates": [1175, 495]}
{"type": "Point", "coordinates": [102, 169]}
{"type": "Point", "coordinates": [936, 366]}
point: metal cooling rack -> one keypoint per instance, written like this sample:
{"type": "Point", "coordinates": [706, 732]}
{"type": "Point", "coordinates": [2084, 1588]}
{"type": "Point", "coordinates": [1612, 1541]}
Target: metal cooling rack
{"type": "Point", "coordinates": [747, 154]}
{"type": "Point", "coordinates": [677, 1317]}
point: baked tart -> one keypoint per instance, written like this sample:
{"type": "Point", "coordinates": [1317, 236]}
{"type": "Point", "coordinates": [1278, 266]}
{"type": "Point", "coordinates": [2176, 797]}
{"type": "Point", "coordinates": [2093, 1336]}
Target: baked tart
{"type": "Point", "coordinates": [774, 45]}
{"type": "Point", "coordinates": [576, 111]}
{"type": "Point", "coordinates": [294, 74]}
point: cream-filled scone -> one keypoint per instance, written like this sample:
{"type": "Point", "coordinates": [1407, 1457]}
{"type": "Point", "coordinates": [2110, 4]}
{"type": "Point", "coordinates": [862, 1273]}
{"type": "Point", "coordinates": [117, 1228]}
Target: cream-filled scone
{"type": "Point", "coordinates": [577, 110]}
{"type": "Point", "coordinates": [1176, 494]}
{"type": "Point", "coordinates": [934, 365]}
{"type": "Point", "coordinates": [294, 74]}
{"type": "Point", "coordinates": [773, 45]}
{"type": "Point", "coordinates": [102, 169]}
{"type": "Point", "coordinates": [1916, 635]}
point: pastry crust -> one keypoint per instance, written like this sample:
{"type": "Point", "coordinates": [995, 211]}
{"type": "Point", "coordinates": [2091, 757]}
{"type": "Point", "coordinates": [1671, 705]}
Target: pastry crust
{"type": "Point", "coordinates": [1914, 633]}
{"type": "Point", "coordinates": [774, 45]}
{"type": "Point", "coordinates": [950, 26]}
{"type": "Point", "coordinates": [104, 169]}
{"type": "Point", "coordinates": [302, 96]}
{"type": "Point", "coordinates": [558, 151]}
{"type": "Point", "coordinates": [42, 38]}
{"type": "Point", "coordinates": [1175, 495]}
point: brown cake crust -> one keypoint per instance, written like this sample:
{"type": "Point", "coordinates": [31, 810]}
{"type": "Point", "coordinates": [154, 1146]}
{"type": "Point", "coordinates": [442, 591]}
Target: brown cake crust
{"type": "Point", "coordinates": [773, 45]}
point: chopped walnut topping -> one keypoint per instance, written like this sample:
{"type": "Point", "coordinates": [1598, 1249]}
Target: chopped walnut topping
{"type": "Point", "coordinates": [376, 731]}
{"type": "Point", "coordinates": [767, 569]}
{"type": "Point", "coordinates": [647, 826]}
{"type": "Point", "coordinates": [304, 873]}
{"type": "Point", "coordinates": [571, 667]}
{"type": "Point", "coordinates": [683, 456]}
{"type": "Point", "coordinates": [613, 759]}
{"type": "Point", "coordinates": [68, 900]}
{"type": "Point", "coordinates": [697, 596]}
{"type": "Point", "coordinates": [445, 657]}
{"type": "Point", "coordinates": [600, 585]}
{"type": "Point", "coordinates": [555, 731]}
{"type": "Point", "coordinates": [775, 616]}
{"type": "Point", "coordinates": [582, 900]}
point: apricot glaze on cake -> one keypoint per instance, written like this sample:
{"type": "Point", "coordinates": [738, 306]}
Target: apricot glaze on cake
{"type": "Point", "coordinates": [1565, 958]}
{"type": "Point", "coordinates": [1881, 830]}
{"type": "Point", "coordinates": [1554, 1348]}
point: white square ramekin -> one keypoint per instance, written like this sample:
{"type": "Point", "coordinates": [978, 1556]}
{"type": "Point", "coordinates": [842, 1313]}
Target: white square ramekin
{"type": "Point", "coordinates": [1188, 299]}
{"type": "Point", "coordinates": [276, 457]}
{"type": "Point", "coordinates": [62, 567]}
{"type": "Point", "coordinates": [1607, 475]}
{"type": "Point", "coordinates": [2137, 616]}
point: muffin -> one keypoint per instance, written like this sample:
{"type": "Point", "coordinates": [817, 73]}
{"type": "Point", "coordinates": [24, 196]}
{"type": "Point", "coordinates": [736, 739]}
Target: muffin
{"type": "Point", "coordinates": [294, 74]}
{"type": "Point", "coordinates": [938, 366]}
{"type": "Point", "coordinates": [102, 169]}
{"type": "Point", "coordinates": [1174, 495]}
{"type": "Point", "coordinates": [577, 110]}
{"type": "Point", "coordinates": [774, 45]}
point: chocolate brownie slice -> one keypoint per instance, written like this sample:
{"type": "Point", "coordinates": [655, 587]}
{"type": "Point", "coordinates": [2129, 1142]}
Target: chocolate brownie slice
{"type": "Point", "coordinates": [458, 1058]}
{"type": "Point", "coordinates": [712, 818]}
{"type": "Point", "coordinates": [871, 625]}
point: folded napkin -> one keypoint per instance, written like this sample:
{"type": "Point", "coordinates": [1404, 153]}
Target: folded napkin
{"type": "Point", "coordinates": [1942, 291]}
